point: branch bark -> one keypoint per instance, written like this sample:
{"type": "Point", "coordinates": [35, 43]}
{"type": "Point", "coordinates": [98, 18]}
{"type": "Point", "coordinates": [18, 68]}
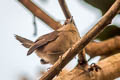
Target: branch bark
{"type": "Point", "coordinates": [107, 47]}
{"type": "Point", "coordinates": [65, 9]}
{"type": "Point", "coordinates": [106, 19]}
{"type": "Point", "coordinates": [40, 14]}
{"type": "Point", "coordinates": [110, 71]}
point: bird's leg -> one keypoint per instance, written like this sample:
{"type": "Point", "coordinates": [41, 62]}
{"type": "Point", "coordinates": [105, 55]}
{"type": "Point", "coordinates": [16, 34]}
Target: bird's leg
{"type": "Point", "coordinates": [82, 59]}
{"type": "Point", "coordinates": [82, 62]}
{"type": "Point", "coordinates": [83, 65]}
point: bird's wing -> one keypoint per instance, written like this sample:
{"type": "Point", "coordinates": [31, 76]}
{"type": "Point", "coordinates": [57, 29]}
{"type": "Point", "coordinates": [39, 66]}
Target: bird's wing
{"type": "Point", "coordinates": [43, 40]}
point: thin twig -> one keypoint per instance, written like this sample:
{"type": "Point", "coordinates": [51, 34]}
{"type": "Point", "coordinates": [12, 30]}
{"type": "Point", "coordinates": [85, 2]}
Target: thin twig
{"type": "Point", "coordinates": [65, 9]}
{"type": "Point", "coordinates": [106, 19]}
{"type": "Point", "coordinates": [35, 25]}
{"type": "Point", "coordinates": [40, 14]}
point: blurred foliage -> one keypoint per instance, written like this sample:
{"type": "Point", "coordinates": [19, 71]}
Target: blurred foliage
{"type": "Point", "coordinates": [109, 32]}
{"type": "Point", "coordinates": [103, 5]}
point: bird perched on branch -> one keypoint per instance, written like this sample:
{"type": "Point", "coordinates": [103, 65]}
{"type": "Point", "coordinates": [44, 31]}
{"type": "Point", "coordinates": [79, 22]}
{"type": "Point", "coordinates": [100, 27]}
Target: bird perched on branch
{"type": "Point", "coordinates": [52, 45]}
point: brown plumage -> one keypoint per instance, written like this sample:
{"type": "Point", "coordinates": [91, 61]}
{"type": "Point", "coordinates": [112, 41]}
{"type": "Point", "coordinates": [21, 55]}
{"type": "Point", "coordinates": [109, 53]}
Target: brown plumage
{"type": "Point", "coordinates": [50, 46]}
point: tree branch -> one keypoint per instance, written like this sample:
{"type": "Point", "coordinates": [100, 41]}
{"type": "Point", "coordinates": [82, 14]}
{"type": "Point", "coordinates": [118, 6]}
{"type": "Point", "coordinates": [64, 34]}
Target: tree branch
{"type": "Point", "coordinates": [107, 47]}
{"type": "Point", "coordinates": [40, 14]}
{"type": "Point", "coordinates": [35, 26]}
{"type": "Point", "coordinates": [106, 19]}
{"type": "Point", "coordinates": [65, 9]}
{"type": "Point", "coordinates": [110, 70]}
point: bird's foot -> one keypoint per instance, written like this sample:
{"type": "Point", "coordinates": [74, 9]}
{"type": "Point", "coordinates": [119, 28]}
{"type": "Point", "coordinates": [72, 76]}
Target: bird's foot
{"type": "Point", "coordinates": [94, 67]}
{"type": "Point", "coordinates": [90, 70]}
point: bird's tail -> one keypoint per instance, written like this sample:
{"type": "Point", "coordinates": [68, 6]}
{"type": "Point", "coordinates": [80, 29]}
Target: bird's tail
{"type": "Point", "coordinates": [25, 42]}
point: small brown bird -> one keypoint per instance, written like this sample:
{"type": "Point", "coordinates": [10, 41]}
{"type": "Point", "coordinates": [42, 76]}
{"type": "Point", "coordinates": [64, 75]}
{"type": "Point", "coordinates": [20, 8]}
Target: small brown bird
{"type": "Point", "coordinates": [50, 46]}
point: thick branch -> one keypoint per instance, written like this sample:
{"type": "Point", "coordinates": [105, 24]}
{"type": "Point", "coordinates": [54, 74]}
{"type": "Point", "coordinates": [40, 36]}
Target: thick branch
{"type": "Point", "coordinates": [40, 14]}
{"type": "Point", "coordinates": [106, 47]}
{"type": "Point", "coordinates": [106, 19]}
{"type": "Point", "coordinates": [110, 70]}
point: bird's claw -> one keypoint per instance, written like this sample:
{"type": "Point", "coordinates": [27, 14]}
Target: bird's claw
{"type": "Point", "coordinates": [94, 67]}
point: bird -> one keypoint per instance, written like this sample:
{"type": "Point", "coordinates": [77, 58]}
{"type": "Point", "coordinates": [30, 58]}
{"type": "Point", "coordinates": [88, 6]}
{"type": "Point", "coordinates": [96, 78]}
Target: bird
{"type": "Point", "coordinates": [54, 44]}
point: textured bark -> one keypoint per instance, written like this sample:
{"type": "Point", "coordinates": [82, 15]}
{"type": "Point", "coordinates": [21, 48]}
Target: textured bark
{"type": "Point", "coordinates": [110, 70]}
{"type": "Point", "coordinates": [104, 48]}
